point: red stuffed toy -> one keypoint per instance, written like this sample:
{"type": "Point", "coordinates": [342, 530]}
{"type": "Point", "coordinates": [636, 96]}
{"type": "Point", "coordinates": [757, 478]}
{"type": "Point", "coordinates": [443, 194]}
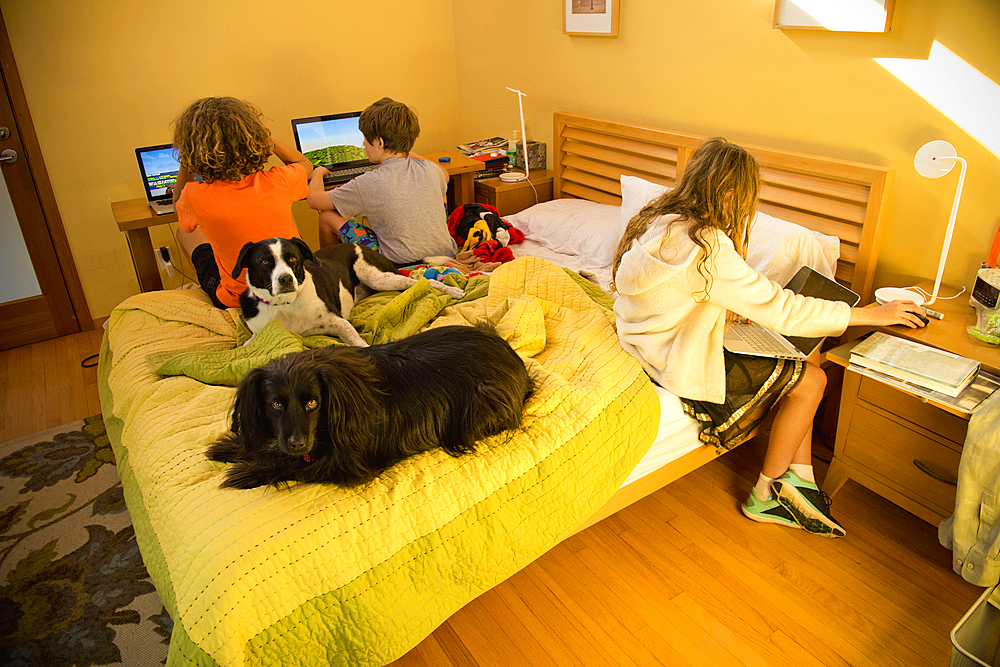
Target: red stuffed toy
{"type": "Point", "coordinates": [479, 228]}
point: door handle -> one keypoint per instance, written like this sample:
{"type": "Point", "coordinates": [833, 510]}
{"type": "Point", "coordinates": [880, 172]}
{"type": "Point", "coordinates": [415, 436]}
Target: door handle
{"type": "Point", "coordinates": [8, 156]}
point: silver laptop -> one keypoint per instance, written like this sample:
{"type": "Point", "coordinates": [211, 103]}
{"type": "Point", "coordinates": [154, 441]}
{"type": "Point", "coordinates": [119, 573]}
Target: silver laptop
{"type": "Point", "coordinates": [334, 142]}
{"type": "Point", "coordinates": [753, 339]}
{"type": "Point", "coordinates": [158, 166]}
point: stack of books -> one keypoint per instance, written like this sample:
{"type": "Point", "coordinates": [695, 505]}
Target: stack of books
{"type": "Point", "coordinates": [918, 364]}
{"type": "Point", "coordinates": [483, 146]}
{"type": "Point", "coordinates": [491, 152]}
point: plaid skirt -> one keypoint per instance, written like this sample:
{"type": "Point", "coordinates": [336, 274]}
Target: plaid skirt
{"type": "Point", "coordinates": [753, 386]}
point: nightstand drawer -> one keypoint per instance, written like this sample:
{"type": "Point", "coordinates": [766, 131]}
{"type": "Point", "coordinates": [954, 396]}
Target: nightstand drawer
{"type": "Point", "coordinates": [913, 410]}
{"type": "Point", "coordinates": [889, 449]}
{"type": "Point", "coordinates": [510, 198]}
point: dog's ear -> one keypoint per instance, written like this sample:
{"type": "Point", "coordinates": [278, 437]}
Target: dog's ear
{"type": "Point", "coordinates": [307, 253]}
{"type": "Point", "coordinates": [250, 424]}
{"type": "Point", "coordinates": [351, 405]}
{"type": "Point", "coordinates": [241, 258]}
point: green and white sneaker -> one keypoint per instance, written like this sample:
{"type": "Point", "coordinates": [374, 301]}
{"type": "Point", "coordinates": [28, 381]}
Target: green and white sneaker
{"type": "Point", "coordinates": [768, 511]}
{"type": "Point", "coordinates": [807, 504]}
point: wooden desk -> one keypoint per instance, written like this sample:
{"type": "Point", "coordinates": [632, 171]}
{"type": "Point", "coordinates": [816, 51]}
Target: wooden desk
{"type": "Point", "coordinates": [461, 169]}
{"type": "Point", "coordinates": [900, 446]}
{"type": "Point", "coordinates": [135, 218]}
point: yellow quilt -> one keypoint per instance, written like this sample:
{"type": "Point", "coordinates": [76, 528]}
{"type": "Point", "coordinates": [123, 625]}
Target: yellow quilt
{"type": "Point", "coordinates": [359, 576]}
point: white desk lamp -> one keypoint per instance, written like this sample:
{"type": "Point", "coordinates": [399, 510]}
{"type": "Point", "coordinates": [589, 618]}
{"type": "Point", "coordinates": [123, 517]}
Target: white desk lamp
{"type": "Point", "coordinates": [514, 176]}
{"type": "Point", "coordinates": [934, 160]}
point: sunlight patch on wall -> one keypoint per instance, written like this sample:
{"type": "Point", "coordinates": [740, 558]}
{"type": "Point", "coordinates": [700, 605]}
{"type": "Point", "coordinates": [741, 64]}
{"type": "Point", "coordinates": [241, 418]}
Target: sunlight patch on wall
{"type": "Point", "coordinates": [954, 88]}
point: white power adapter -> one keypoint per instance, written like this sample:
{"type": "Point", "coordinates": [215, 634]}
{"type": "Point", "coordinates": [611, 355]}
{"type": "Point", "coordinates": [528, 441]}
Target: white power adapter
{"type": "Point", "coordinates": [164, 259]}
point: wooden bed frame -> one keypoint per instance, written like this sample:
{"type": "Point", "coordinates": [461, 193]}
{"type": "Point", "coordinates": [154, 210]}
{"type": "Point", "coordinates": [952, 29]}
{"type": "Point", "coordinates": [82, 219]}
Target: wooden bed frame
{"type": "Point", "coordinates": [843, 199]}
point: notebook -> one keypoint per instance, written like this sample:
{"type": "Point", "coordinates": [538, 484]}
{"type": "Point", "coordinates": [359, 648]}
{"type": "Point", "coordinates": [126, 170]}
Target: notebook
{"type": "Point", "coordinates": [753, 339]}
{"type": "Point", "coordinates": [334, 142]}
{"type": "Point", "coordinates": [158, 166]}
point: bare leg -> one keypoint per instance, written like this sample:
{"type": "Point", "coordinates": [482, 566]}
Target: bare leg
{"type": "Point", "coordinates": [791, 431]}
{"type": "Point", "coordinates": [191, 240]}
{"type": "Point", "coordinates": [330, 223]}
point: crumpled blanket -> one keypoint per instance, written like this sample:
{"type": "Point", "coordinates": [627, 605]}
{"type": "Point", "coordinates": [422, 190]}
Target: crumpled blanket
{"type": "Point", "coordinates": [359, 576]}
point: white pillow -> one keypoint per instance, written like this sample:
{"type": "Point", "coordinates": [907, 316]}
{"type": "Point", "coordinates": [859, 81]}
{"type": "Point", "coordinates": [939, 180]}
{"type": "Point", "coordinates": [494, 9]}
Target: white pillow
{"type": "Point", "coordinates": [636, 193]}
{"type": "Point", "coordinates": [777, 248]}
{"type": "Point", "coordinates": [578, 227]}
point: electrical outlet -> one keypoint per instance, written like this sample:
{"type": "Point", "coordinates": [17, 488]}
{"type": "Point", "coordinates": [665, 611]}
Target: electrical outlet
{"type": "Point", "coordinates": [165, 260]}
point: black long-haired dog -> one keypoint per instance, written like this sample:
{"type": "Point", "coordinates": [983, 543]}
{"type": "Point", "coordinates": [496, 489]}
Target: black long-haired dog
{"type": "Point", "coordinates": [343, 415]}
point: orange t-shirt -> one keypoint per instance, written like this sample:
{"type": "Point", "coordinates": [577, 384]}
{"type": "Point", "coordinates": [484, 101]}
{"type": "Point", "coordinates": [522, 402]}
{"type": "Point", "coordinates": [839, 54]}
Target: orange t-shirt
{"type": "Point", "coordinates": [232, 214]}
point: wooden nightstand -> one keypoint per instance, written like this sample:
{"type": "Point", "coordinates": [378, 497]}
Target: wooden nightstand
{"type": "Point", "coordinates": [509, 198]}
{"type": "Point", "coordinates": [901, 446]}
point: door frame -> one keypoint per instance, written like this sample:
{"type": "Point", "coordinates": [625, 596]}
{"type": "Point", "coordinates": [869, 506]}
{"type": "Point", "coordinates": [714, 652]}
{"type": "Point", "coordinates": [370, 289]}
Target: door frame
{"type": "Point", "coordinates": [75, 315]}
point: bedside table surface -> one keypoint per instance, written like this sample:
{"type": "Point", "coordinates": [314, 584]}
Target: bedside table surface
{"type": "Point", "coordinates": [949, 334]}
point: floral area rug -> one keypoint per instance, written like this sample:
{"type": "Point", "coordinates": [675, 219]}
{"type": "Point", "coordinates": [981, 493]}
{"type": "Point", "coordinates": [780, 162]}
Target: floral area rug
{"type": "Point", "coordinates": [73, 587]}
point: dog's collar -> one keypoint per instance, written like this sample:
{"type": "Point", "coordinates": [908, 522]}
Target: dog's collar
{"type": "Point", "coordinates": [260, 300]}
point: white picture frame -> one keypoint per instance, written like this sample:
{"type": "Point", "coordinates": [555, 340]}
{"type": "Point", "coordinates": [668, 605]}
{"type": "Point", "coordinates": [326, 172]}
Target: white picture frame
{"type": "Point", "coordinates": [594, 18]}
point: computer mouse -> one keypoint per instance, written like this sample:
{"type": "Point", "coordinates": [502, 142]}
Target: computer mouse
{"type": "Point", "coordinates": [444, 158]}
{"type": "Point", "coordinates": [923, 319]}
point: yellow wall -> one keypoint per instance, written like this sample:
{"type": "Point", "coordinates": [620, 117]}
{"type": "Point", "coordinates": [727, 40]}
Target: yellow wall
{"type": "Point", "coordinates": [99, 83]}
{"type": "Point", "coordinates": [105, 76]}
{"type": "Point", "coordinates": [717, 67]}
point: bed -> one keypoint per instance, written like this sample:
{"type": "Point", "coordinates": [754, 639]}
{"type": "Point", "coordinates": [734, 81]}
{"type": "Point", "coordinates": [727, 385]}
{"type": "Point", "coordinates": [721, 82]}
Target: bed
{"type": "Point", "coordinates": [359, 576]}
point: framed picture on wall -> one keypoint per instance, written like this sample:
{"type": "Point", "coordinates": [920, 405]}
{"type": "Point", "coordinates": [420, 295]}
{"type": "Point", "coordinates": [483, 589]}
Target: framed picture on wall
{"type": "Point", "coordinates": [598, 18]}
{"type": "Point", "coordinates": [833, 15]}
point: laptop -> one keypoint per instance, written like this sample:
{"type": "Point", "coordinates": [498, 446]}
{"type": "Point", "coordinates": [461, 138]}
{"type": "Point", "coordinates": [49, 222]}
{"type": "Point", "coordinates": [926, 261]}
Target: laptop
{"type": "Point", "coordinates": [158, 166]}
{"type": "Point", "coordinates": [334, 142]}
{"type": "Point", "coordinates": [753, 339]}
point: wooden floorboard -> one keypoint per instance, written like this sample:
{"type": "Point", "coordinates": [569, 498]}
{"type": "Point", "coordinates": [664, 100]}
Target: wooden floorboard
{"type": "Point", "coordinates": [679, 578]}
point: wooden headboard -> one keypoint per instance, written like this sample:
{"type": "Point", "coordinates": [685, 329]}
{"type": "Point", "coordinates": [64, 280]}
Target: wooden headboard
{"type": "Point", "coordinates": [843, 199]}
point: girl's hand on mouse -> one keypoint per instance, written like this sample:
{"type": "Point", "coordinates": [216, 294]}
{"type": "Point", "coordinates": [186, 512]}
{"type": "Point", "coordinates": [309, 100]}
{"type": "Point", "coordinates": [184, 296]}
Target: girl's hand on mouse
{"type": "Point", "coordinates": [893, 312]}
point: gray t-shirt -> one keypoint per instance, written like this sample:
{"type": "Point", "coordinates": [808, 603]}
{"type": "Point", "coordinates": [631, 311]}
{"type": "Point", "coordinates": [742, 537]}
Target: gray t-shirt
{"type": "Point", "coordinates": [404, 202]}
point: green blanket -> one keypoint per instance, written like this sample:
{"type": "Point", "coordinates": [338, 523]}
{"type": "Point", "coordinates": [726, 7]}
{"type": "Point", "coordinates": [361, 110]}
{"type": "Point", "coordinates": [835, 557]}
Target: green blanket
{"type": "Point", "coordinates": [327, 576]}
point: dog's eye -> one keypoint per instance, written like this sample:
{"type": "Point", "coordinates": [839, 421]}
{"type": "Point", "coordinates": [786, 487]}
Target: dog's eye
{"type": "Point", "coordinates": [311, 405]}
{"type": "Point", "coordinates": [266, 261]}
{"type": "Point", "coordinates": [277, 405]}
{"type": "Point", "coordinates": [292, 260]}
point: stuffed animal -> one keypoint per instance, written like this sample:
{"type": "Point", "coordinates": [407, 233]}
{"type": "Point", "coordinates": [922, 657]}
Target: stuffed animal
{"type": "Point", "coordinates": [473, 224]}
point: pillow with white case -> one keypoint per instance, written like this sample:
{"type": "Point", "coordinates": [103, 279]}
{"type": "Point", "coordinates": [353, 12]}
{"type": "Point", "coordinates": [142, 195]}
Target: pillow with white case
{"type": "Point", "coordinates": [575, 227]}
{"type": "Point", "coordinates": [777, 248]}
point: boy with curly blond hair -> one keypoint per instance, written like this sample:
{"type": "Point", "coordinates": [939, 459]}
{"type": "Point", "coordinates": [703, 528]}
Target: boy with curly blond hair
{"type": "Point", "coordinates": [225, 142]}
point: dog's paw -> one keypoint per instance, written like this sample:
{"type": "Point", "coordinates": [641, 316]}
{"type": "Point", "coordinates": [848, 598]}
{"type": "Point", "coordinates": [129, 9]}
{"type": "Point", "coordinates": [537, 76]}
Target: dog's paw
{"type": "Point", "coordinates": [454, 292]}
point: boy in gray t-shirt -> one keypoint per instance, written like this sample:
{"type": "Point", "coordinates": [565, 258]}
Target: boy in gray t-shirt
{"type": "Point", "coordinates": [403, 200]}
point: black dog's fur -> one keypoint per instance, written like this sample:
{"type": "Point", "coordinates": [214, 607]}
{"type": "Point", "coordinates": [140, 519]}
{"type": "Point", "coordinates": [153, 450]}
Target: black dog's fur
{"type": "Point", "coordinates": [343, 415]}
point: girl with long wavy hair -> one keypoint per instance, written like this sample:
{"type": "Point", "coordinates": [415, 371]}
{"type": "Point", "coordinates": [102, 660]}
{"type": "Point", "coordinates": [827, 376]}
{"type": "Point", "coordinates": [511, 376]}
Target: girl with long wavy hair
{"type": "Point", "coordinates": [681, 276]}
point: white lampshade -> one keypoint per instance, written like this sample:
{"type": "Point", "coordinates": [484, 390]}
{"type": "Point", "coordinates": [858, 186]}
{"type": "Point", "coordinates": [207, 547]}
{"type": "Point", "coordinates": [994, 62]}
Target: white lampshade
{"type": "Point", "coordinates": [935, 159]}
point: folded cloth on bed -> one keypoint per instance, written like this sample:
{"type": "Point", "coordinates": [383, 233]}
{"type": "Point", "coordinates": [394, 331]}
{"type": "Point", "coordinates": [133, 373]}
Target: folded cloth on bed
{"type": "Point", "coordinates": [359, 576]}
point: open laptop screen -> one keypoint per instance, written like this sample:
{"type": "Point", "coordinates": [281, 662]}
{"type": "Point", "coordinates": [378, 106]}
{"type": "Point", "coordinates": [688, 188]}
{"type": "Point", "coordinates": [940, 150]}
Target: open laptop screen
{"type": "Point", "coordinates": [333, 140]}
{"type": "Point", "coordinates": [159, 167]}
{"type": "Point", "coordinates": [812, 283]}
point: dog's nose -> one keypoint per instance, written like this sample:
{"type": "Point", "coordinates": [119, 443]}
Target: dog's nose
{"type": "Point", "coordinates": [286, 283]}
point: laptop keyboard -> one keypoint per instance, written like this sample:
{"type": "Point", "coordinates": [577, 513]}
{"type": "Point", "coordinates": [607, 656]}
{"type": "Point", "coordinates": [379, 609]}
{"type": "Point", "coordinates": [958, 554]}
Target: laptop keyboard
{"type": "Point", "coordinates": [347, 174]}
{"type": "Point", "coordinates": [758, 337]}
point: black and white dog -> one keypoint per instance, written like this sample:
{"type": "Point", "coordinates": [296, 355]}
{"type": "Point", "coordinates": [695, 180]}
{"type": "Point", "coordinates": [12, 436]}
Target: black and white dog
{"type": "Point", "coordinates": [342, 415]}
{"type": "Point", "coordinates": [313, 293]}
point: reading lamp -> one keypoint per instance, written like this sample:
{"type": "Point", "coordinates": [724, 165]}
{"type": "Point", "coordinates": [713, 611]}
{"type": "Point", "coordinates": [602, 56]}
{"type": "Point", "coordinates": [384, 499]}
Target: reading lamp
{"type": "Point", "coordinates": [513, 176]}
{"type": "Point", "coordinates": [934, 160]}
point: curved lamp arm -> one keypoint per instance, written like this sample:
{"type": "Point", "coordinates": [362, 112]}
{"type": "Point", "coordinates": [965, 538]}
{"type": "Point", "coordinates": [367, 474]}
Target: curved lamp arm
{"type": "Point", "coordinates": [951, 226]}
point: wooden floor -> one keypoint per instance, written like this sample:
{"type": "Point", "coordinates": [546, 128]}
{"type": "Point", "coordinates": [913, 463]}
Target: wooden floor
{"type": "Point", "coordinates": [679, 578]}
